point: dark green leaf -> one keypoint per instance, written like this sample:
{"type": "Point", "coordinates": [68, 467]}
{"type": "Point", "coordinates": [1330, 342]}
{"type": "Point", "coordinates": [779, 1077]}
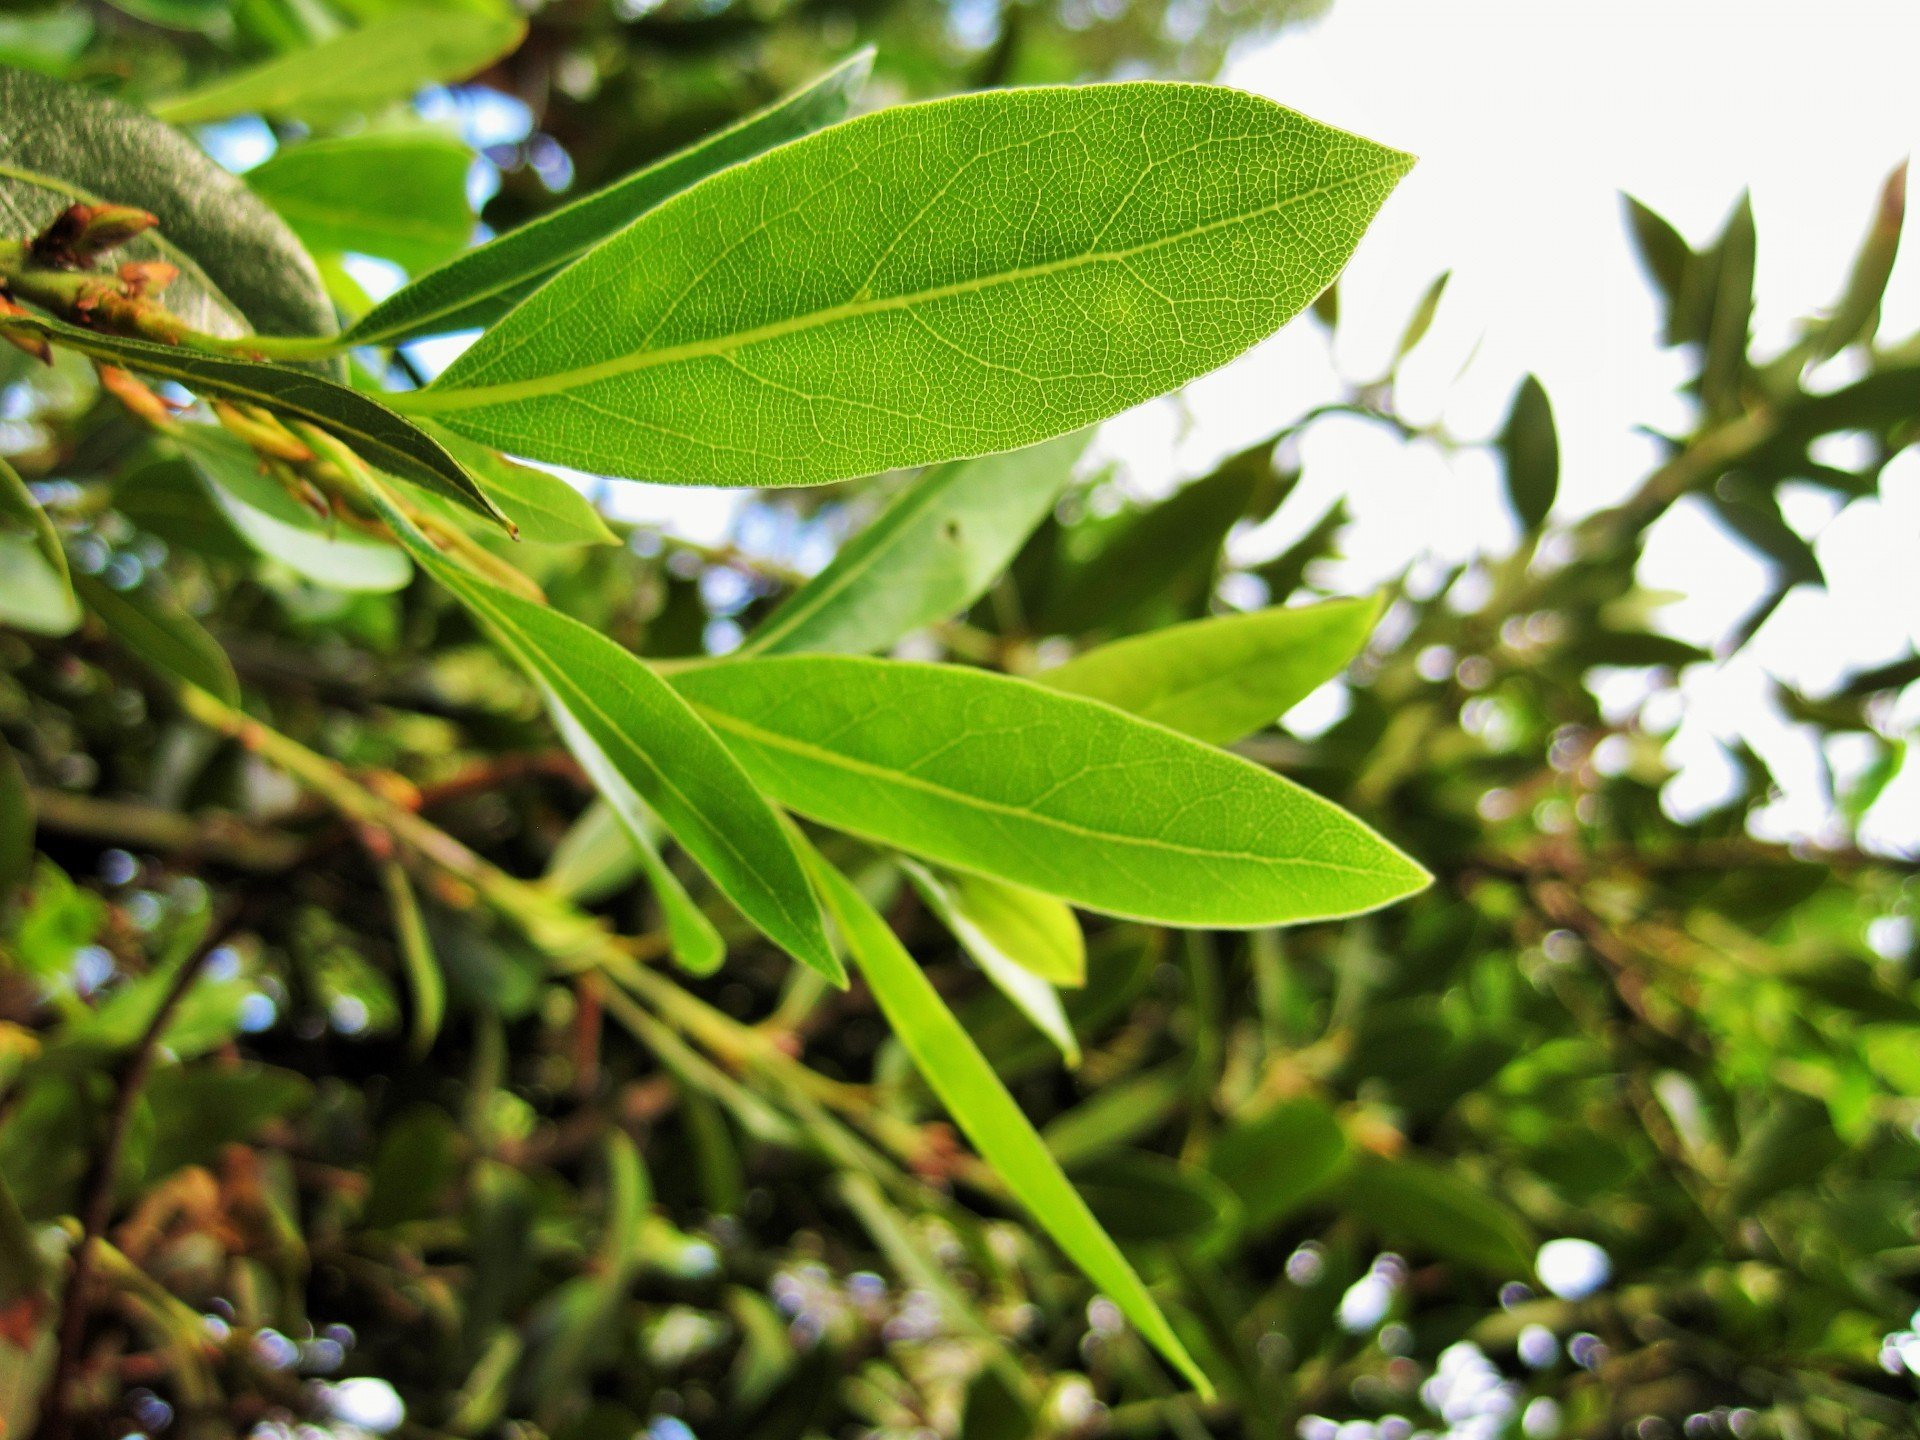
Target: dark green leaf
{"type": "Point", "coordinates": [378, 435]}
{"type": "Point", "coordinates": [162, 636]}
{"type": "Point", "coordinates": [1530, 449]}
{"type": "Point", "coordinates": [479, 287]}
{"type": "Point", "coordinates": [241, 269]}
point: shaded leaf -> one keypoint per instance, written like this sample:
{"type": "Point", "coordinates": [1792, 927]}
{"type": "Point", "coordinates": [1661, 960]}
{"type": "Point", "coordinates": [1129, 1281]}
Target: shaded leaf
{"type": "Point", "coordinates": [478, 287]}
{"type": "Point", "coordinates": [240, 267]}
{"type": "Point", "coordinates": [1530, 450]}
{"type": "Point", "coordinates": [930, 554]}
{"type": "Point", "coordinates": [379, 436]}
{"type": "Point", "coordinates": [162, 636]}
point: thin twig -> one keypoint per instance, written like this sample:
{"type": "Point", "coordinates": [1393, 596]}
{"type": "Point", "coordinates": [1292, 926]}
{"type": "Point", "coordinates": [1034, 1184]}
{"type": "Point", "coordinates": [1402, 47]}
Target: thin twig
{"type": "Point", "coordinates": [97, 1210]}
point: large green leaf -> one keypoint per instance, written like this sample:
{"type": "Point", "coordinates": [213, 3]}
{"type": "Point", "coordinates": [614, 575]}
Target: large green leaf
{"type": "Point", "coordinates": [1221, 679]}
{"type": "Point", "coordinates": [387, 60]}
{"type": "Point", "coordinates": [928, 555]}
{"type": "Point", "coordinates": [162, 636]}
{"type": "Point", "coordinates": [278, 526]}
{"type": "Point", "coordinates": [398, 194]}
{"type": "Point", "coordinates": [1060, 794]}
{"type": "Point", "coordinates": [240, 267]}
{"type": "Point", "coordinates": [648, 754]}
{"type": "Point", "coordinates": [1416, 1201]}
{"type": "Point", "coordinates": [960, 1075]}
{"type": "Point", "coordinates": [480, 286]}
{"type": "Point", "coordinates": [377, 434]}
{"type": "Point", "coordinates": [924, 283]}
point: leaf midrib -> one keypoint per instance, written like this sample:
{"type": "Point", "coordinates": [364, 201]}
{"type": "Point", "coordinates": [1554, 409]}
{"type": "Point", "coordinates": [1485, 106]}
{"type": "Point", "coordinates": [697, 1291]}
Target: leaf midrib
{"type": "Point", "coordinates": [747, 730]}
{"type": "Point", "coordinates": [435, 400]}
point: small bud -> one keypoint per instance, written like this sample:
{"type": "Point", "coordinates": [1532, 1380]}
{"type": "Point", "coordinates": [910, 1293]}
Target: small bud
{"type": "Point", "coordinates": [81, 232]}
{"type": "Point", "coordinates": [147, 277]}
{"type": "Point", "coordinates": [34, 345]}
{"type": "Point", "coordinates": [262, 431]}
{"type": "Point", "coordinates": [134, 394]}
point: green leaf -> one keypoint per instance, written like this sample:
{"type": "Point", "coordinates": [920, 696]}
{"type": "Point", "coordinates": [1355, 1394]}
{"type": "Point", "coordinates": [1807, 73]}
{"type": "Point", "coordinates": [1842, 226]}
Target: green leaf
{"type": "Point", "coordinates": [162, 636]}
{"type": "Point", "coordinates": [1857, 315]}
{"type": "Point", "coordinates": [1421, 321]}
{"type": "Point", "coordinates": [1060, 794]}
{"type": "Point", "coordinates": [401, 195]}
{"type": "Point", "coordinates": [379, 436]}
{"type": "Point", "coordinates": [648, 754]}
{"type": "Point", "coordinates": [33, 595]}
{"type": "Point", "coordinates": [924, 283]}
{"type": "Point", "coordinates": [1007, 931]}
{"type": "Point", "coordinates": [1143, 1198]}
{"type": "Point", "coordinates": [930, 554]}
{"type": "Point", "coordinates": [280, 527]}
{"type": "Point", "coordinates": [1415, 1201]}
{"type": "Point", "coordinates": [692, 939]}
{"type": "Point", "coordinates": [959, 1074]}
{"type": "Point", "coordinates": [1166, 554]}
{"type": "Point", "coordinates": [480, 286]}
{"type": "Point", "coordinates": [594, 859]}
{"type": "Point", "coordinates": [16, 828]}
{"type": "Point", "coordinates": [387, 60]}
{"type": "Point", "coordinates": [1663, 251]}
{"type": "Point", "coordinates": [17, 503]}
{"type": "Point", "coordinates": [240, 267]}
{"type": "Point", "coordinates": [1530, 449]}
{"type": "Point", "coordinates": [1221, 679]}
{"type": "Point", "coordinates": [546, 508]}
{"type": "Point", "coordinates": [1276, 1160]}
{"type": "Point", "coordinates": [417, 956]}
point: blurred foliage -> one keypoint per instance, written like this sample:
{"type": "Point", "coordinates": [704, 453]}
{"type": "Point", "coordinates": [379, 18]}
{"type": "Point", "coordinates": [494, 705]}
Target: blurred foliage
{"type": "Point", "coordinates": [353, 1132]}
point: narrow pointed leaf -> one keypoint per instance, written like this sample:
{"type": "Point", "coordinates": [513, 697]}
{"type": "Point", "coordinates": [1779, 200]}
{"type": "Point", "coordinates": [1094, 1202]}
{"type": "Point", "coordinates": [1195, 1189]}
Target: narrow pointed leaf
{"type": "Point", "coordinates": [998, 959]}
{"type": "Point", "coordinates": [642, 745]}
{"type": "Point", "coordinates": [379, 436]}
{"type": "Point", "coordinates": [1063, 795]}
{"type": "Point", "coordinates": [17, 504]}
{"type": "Point", "coordinates": [477, 288]}
{"type": "Point", "coordinates": [1221, 679]}
{"type": "Point", "coordinates": [928, 555]}
{"type": "Point", "coordinates": [386, 60]}
{"type": "Point", "coordinates": [161, 636]}
{"type": "Point", "coordinates": [925, 283]}
{"type": "Point", "coordinates": [1530, 448]}
{"type": "Point", "coordinates": [545, 508]}
{"type": "Point", "coordinates": [16, 829]}
{"type": "Point", "coordinates": [960, 1075]}
{"type": "Point", "coordinates": [417, 956]}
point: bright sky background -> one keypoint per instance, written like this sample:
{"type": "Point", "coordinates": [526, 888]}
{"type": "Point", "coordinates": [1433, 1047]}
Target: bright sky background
{"type": "Point", "coordinates": [1530, 118]}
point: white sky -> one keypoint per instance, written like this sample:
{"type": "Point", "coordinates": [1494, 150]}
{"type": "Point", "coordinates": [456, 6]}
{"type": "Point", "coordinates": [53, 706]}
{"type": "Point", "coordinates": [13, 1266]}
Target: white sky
{"type": "Point", "coordinates": [1530, 116]}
